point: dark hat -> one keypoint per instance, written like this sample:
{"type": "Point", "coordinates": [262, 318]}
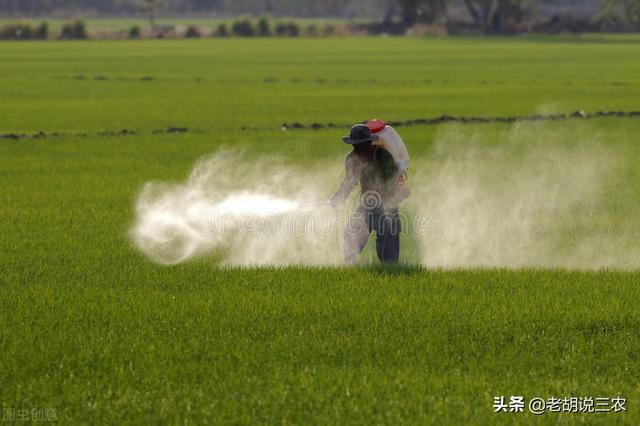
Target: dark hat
{"type": "Point", "coordinates": [360, 133]}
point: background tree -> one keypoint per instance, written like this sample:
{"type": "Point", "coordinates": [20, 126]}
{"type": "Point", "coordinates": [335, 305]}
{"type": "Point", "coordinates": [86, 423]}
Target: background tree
{"type": "Point", "coordinates": [626, 10]}
{"type": "Point", "coordinates": [496, 15]}
{"type": "Point", "coordinates": [150, 7]}
{"type": "Point", "coordinates": [422, 11]}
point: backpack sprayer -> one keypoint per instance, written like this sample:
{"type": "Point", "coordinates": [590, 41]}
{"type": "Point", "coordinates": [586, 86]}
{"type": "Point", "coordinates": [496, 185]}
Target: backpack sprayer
{"type": "Point", "coordinates": [391, 141]}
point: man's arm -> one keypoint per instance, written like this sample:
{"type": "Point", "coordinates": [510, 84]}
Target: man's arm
{"type": "Point", "coordinates": [348, 183]}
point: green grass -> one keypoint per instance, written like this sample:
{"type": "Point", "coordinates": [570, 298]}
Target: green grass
{"type": "Point", "coordinates": [315, 346]}
{"type": "Point", "coordinates": [91, 328]}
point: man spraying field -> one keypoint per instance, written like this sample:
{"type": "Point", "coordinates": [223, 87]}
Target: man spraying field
{"type": "Point", "coordinates": [379, 161]}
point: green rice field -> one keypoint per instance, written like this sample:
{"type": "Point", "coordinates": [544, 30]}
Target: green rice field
{"type": "Point", "coordinates": [526, 284]}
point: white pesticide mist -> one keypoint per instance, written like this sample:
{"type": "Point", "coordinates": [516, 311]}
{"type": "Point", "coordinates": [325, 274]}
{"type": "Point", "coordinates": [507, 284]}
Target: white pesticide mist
{"type": "Point", "coordinates": [526, 195]}
{"type": "Point", "coordinates": [248, 211]}
{"type": "Point", "coordinates": [536, 196]}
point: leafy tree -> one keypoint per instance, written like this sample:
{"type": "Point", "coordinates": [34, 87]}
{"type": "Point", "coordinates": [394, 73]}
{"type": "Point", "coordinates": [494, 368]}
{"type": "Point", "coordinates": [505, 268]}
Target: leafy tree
{"type": "Point", "coordinates": [134, 32]}
{"type": "Point", "coordinates": [150, 7]}
{"type": "Point", "coordinates": [192, 32]}
{"type": "Point", "coordinates": [263, 27]}
{"type": "Point", "coordinates": [222, 30]}
{"type": "Point", "coordinates": [75, 30]}
{"type": "Point", "coordinates": [495, 15]}
{"type": "Point", "coordinates": [287, 29]}
{"type": "Point", "coordinates": [42, 32]}
{"type": "Point", "coordinates": [426, 11]}
{"type": "Point", "coordinates": [628, 10]}
{"type": "Point", "coordinates": [243, 28]}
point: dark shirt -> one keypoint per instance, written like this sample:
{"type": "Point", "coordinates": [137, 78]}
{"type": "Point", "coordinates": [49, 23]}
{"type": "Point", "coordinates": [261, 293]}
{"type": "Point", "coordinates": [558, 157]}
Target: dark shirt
{"type": "Point", "coordinates": [377, 174]}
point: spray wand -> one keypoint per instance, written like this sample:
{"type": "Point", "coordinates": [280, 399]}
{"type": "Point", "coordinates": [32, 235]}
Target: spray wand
{"type": "Point", "coordinates": [309, 206]}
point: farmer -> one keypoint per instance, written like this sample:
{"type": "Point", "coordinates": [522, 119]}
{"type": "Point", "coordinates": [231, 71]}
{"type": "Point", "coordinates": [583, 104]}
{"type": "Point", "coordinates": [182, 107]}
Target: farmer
{"type": "Point", "coordinates": [382, 190]}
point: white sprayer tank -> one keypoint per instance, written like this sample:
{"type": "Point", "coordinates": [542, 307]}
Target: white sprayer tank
{"type": "Point", "coordinates": [390, 140]}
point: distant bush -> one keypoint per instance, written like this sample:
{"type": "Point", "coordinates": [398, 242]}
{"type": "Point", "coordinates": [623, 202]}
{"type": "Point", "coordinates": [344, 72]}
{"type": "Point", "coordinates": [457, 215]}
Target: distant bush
{"type": "Point", "coordinates": [222, 31]}
{"type": "Point", "coordinates": [134, 32]}
{"type": "Point", "coordinates": [329, 30]}
{"type": "Point", "coordinates": [192, 32]}
{"type": "Point", "coordinates": [24, 32]}
{"type": "Point", "coordinates": [287, 29]}
{"type": "Point", "coordinates": [79, 29]}
{"type": "Point", "coordinates": [243, 28]}
{"type": "Point", "coordinates": [75, 30]}
{"type": "Point", "coordinates": [15, 32]}
{"type": "Point", "coordinates": [312, 30]}
{"type": "Point", "coordinates": [41, 32]}
{"type": "Point", "coordinates": [281, 29]}
{"type": "Point", "coordinates": [67, 31]}
{"type": "Point", "coordinates": [162, 31]}
{"type": "Point", "coordinates": [264, 29]}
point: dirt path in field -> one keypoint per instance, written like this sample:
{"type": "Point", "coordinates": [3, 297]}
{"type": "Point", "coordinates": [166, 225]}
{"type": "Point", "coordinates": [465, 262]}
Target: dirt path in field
{"type": "Point", "coordinates": [101, 133]}
{"type": "Point", "coordinates": [581, 115]}
{"type": "Point", "coordinates": [469, 120]}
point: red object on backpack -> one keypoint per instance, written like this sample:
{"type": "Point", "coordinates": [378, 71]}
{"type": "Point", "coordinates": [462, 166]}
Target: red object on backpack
{"type": "Point", "coordinates": [375, 125]}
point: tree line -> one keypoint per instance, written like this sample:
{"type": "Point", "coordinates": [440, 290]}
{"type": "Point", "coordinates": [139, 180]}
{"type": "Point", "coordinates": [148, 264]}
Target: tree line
{"type": "Point", "coordinates": [492, 16]}
{"type": "Point", "coordinates": [498, 15]}
{"type": "Point", "coordinates": [334, 8]}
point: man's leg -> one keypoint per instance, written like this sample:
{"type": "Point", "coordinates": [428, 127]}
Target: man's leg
{"type": "Point", "coordinates": [388, 237]}
{"type": "Point", "coordinates": [356, 235]}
